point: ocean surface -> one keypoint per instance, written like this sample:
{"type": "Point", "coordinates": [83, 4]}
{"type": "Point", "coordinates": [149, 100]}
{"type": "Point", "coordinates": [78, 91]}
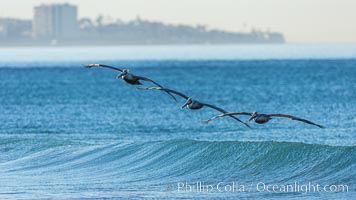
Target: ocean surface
{"type": "Point", "coordinates": [73, 133]}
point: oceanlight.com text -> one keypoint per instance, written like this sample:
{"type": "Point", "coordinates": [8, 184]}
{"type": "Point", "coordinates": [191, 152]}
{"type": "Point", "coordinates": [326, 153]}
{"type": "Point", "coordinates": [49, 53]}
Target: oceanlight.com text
{"type": "Point", "coordinates": [261, 187]}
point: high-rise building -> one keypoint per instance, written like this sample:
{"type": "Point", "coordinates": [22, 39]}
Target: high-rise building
{"type": "Point", "coordinates": [55, 21]}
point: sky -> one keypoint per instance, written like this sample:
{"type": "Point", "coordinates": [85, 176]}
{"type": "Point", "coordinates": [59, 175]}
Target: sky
{"type": "Point", "coordinates": [301, 21]}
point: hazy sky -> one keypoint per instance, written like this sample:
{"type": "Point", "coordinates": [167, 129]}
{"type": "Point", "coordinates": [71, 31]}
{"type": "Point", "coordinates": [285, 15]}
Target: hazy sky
{"type": "Point", "coordinates": [299, 20]}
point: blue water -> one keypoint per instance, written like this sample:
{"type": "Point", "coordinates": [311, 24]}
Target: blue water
{"type": "Point", "coordinates": [73, 133]}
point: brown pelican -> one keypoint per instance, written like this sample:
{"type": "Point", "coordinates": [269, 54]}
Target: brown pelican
{"type": "Point", "coordinates": [128, 77]}
{"type": "Point", "coordinates": [263, 118]}
{"type": "Point", "coordinates": [193, 104]}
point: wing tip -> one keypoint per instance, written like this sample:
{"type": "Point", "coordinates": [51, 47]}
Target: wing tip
{"type": "Point", "coordinates": [205, 121]}
{"type": "Point", "coordinates": [248, 126]}
{"type": "Point", "coordinates": [91, 65]}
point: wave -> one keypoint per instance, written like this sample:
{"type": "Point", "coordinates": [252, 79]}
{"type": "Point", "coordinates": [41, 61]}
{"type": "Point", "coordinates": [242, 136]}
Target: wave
{"type": "Point", "coordinates": [178, 160]}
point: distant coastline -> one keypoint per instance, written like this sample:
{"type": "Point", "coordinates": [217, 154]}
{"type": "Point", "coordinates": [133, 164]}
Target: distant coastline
{"type": "Point", "coordinates": [48, 43]}
{"type": "Point", "coordinates": [101, 37]}
{"type": "Point", "coordinates": [100, 32]}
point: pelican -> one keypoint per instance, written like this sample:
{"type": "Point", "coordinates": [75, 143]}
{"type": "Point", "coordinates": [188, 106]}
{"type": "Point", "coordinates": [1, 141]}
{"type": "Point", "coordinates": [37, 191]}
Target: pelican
{"type": "Point", "coordinates": [128, 77]}
{"type": "Point", "coordinates": [193, 104]}
{"type": "Point", "coordinates": [262, 118]}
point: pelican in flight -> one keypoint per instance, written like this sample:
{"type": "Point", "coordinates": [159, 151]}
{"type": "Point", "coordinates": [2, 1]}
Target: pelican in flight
{"type": "Point", "coordinates": [193, 104]}
{"type": "Point", "coordinates": [128, 77]}
{"type": "Point", "coordinates": [263, 118]}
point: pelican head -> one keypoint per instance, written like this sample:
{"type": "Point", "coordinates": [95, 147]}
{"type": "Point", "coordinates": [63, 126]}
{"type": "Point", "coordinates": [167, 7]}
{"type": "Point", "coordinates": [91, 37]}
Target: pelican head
{"type": "Point", "coordinates": [253, 116]}
{"type": "Point", "coordinates": [123, 73]}
{"type": "Point", "coordinates": [188, 102]}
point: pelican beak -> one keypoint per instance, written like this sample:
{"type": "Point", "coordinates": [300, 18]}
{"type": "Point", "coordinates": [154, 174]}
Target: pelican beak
{"type": "Point", "coordinates": [251, 118]}
{"type": "Point", "coordinates": [186, 103]}
{"type": "Point", "coordinates": [183, 106]}
{"type": "Point", "coordinates": [119, 76]}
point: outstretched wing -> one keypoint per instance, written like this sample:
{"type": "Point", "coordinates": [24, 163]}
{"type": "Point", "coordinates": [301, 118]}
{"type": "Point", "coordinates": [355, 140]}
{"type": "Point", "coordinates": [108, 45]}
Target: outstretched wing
{"type": "Point", "coordinates": [227, 114]}
{"type": "Point", "coordinates": [104, 66]}
{"type": "Point", "coordinates": [152, 81]}
{"type": "Point", "coordinates": [296, 118]}
{"type": "Point", "coordinates": [149, 80]}
{"type": "Point", "coordinates": [223, 111]}
{"type": "Point", "coordinates": [164, 89]}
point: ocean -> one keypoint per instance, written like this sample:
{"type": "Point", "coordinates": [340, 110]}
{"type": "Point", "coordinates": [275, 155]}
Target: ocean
{"type": "Point", "coordinates": [68, 132]}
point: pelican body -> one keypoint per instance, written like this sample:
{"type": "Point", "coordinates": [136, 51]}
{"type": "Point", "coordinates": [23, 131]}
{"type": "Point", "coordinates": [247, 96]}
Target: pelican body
{"type": "Point", "coordinates": [261, 118]}
{"type": "Point", "coordinates": [129, 78]}
{"type": "Point", "coordinates": [193, 104]}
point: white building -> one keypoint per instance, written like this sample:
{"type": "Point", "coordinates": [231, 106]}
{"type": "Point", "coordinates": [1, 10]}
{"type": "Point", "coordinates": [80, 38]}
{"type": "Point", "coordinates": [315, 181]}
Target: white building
{"type": "Point", "coordinates": [55, 21]}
